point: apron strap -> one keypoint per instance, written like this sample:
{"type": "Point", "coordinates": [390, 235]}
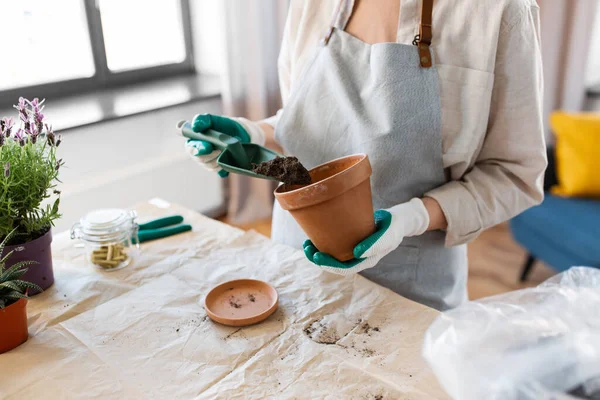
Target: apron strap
{"type": "Point", "coordinates": [423, 39]}
{"type": "Point", "coordinates": [344, 9]}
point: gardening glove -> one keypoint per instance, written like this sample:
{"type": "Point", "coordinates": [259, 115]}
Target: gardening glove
{"type": "Point", "coordinates": [391, 227]}
{"type": "Point", "coordinates": [205, 154]}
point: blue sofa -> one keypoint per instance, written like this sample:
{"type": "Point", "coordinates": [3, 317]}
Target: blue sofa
{"type": "Point", "coordinates": [562, 232]}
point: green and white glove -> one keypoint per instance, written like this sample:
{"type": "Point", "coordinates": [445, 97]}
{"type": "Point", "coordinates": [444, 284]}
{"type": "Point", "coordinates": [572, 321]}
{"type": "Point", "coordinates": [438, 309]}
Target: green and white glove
{"type": "Point", "coordinates": [205, 154]}
{"type": "Point", "coordinates": [391, 227]}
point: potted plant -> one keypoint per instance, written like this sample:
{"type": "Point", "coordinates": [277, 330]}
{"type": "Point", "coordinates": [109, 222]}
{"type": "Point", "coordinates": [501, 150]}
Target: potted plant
{"type": "Point", "coordinates": [13, 301]}
{"type": "Point", "coordinates": [28, 196]}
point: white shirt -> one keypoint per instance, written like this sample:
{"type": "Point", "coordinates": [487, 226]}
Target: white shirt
{"type": "Point", "coordinates": [488, 58]}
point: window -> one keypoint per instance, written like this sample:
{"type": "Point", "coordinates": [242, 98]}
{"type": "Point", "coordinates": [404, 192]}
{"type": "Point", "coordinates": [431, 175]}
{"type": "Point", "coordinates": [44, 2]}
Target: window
{"type": "Point", "coordinates": [69, 46]}
{"type": "Point", "coordinates": [593, 67]}
{"type": "Point", "coordinates": [36, 33]}
{"type": "Point", "coordinates": [133, 43]}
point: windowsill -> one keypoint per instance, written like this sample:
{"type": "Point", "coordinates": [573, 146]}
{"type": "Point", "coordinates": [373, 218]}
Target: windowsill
{"type": "Point", "coordinates": [114, 103]}
{"type": "Point", "coordinates": [592, 102]}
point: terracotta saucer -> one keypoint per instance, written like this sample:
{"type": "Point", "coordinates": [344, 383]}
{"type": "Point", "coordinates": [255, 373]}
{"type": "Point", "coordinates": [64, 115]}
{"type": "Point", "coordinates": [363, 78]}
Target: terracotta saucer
{"type": "Point", "coordinates": [241, 302]}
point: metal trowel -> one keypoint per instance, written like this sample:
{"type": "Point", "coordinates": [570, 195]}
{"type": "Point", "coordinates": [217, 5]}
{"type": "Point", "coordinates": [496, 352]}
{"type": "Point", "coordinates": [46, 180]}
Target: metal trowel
{"type": "Point", "coordinates": [236, 157]}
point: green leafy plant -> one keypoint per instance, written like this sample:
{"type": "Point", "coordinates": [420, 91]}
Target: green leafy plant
{"type": "Point", "coordinates": [11, 287]}
{"type": "Point", "coordinates": [28, 155]}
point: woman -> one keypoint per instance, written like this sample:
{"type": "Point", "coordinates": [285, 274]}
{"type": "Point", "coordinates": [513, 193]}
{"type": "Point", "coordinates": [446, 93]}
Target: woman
{"type": "Point", "coordinates": [445, 97]}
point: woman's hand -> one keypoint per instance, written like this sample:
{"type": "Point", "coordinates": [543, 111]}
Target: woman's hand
{"type": "Point", "coordinates": [391, 227]}
{"type": "Point", "coordinates": [205, 154]}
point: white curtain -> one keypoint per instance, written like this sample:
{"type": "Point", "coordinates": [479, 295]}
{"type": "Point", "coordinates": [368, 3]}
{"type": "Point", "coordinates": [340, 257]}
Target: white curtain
{"type": "Point", "coordinates": [253, 32]}
{"type": "Point", "coordinates": [566, 27]}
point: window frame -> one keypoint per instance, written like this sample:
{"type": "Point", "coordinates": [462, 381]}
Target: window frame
{"type": "Point", "coordinates": [103, 76]}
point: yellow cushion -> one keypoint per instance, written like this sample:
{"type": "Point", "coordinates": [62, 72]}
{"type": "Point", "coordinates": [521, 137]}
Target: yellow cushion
{"type": "Point", "coordinates": [577, 154]}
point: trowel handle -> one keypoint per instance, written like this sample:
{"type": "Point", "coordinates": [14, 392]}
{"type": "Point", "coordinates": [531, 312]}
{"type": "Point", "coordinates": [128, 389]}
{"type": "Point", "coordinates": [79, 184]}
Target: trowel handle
{"type": "Point", "coordinates": [220, 140]}
{"type": "Point", "coordinates": [217, 139]}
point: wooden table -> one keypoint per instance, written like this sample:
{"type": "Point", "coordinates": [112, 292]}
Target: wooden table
{"type": "Point", "coordinates": [142, 332]}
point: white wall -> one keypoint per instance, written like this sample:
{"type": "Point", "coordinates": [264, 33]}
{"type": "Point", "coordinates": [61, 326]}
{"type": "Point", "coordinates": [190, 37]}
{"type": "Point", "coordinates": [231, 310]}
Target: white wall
{"type": "Point", "coordinates": [130, 160]}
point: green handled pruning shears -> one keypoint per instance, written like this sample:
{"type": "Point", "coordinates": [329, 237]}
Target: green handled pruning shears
{"type": "Point", "coordinates": [160, 228]}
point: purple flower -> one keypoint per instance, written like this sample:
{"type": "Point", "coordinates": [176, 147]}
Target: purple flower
{"type": "Point", "coordinates": [20, 137]}
{"type": "Point", "coordinates": [19, 134]}
{"type": "Point", "coordinates": [22, 108]}
{"type": "Point", "coordinates": [39, 120]}
{"type": "Point", "coordinates": [58, 140]}
{"type": "Point", "coordinates": [33, 133]}
{"type": "Point", "coordinates": [7, 125]}
{"type": "Point", "coordinates": [7, 170]}
{"type": "Point", "coordinates": [58, 164]}
{"type": "Point", "coordinates": [50, 137]}
{"type": "Point", "coordinates": [1, 140]}
{"type": "Point", "coordinates": [32, 129]}
{"type": "Point", "coordinates": [37, 108]}
{"type": "Point", "coordinates": [56, 191]}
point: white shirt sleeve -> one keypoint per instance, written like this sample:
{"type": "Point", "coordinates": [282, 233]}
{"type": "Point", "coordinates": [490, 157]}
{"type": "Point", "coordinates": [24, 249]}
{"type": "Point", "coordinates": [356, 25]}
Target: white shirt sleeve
{"type": "Point", "coordinates": [508, 173]}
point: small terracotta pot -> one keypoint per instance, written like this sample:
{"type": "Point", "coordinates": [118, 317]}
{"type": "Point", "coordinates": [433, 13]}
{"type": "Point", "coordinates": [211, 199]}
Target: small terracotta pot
{"type": "Point", "coordinates": [13, 325]}
{"type": "Point", "coordinates": [39, 250]}
{"type": "Point", "coordinates": [336, 210]}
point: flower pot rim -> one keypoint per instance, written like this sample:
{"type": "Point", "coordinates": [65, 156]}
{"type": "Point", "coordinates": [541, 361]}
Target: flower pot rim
{"type": "Point", "coordinates": [306, 196]}
{"type": "Point", "coordinates": [40, 238]}
{"type": "Point", "coordinates": [19, 303]}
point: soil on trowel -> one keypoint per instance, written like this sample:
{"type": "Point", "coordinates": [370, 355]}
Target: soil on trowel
{"type": "Point", "coordinates": [285, 169]}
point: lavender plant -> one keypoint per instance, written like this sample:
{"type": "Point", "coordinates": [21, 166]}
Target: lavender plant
{"type": "Point", "coordinates": [28, 198]}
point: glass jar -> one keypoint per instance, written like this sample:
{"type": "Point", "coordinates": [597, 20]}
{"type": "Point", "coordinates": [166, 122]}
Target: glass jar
{"type": "Point", "coordinates": [110, 237]}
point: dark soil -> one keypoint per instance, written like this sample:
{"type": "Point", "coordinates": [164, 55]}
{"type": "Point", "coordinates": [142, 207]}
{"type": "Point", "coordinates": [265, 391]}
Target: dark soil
{"type": "Point", "coordinates": [285, 169]}
{"type": "Point", "coordinates": [367, 352]}
{"type": "Point", "coordinates": [251, 298]}
{"type": "Point", "coordinates": [322, 334]}
{"type": "Point", "coordinates": [367, 329]}
{"type": "Point", "coordinates": [23, 238]}
{"type": "Point", "coordinates": [233, 303]}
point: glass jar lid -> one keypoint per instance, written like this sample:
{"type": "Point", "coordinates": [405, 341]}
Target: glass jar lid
{"type": "Point", "coordinates": [105, 225]}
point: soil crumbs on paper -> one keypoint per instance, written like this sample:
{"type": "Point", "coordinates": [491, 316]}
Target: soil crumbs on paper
{"type": "Point", "coordinates": [367, 329]}
{"type": "Point", "coordinates": [288, 170]}
{"type": "Point", "coordinates": [322, 334]}
{"type": "Point", "coordinates": [318, 332]}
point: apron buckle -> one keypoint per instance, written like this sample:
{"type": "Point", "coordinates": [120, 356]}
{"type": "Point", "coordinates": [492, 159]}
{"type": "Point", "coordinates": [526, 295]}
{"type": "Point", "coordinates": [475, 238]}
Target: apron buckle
{"type": "Point", "coordinates": [416, 40]}
{"type": "Point", "coordinates": [425, 55]}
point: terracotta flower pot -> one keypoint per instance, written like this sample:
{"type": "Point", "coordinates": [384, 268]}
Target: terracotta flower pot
{"type": "Point", "coordinates": [336, 210]}
{"type": "Point", "coordinates": [37, 250]}
{"type": "Point", "coordinates": [13, 325]}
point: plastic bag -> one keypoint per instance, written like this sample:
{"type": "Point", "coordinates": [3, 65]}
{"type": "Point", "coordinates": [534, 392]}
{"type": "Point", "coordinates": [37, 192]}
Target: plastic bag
{"type": "Point", "coordinates": [538, 343]}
